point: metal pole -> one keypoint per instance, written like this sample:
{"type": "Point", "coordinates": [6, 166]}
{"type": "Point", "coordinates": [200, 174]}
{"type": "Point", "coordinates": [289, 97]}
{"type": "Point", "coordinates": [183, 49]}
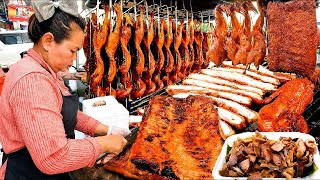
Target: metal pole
{"type": "Point", "coordinates": [97, 7]}
{"type": "Point", "coordinates": [135, 10]}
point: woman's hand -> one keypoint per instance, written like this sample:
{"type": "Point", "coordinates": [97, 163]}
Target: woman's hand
{"type": "Point", "coordinates": [80, 75]}
{"type": "Point", "coordinates": [112, 144]}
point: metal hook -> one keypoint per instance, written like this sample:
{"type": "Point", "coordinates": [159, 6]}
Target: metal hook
{"type": "Point", "coordinates": [158, 9]}
{"type": "Point", "coordinates": [134, 7]}
{"type": "Point", "coordinates": [121, 9]}
{"type": "Point", "coordinates": [147, 13]}
{"type": "Point", "coordinates": [176, 14]}
{"type": "Point", "coordinates": [191, 10]}
{"type": "Point", "coordinates": [97, 7]}
{"type": "Point", "coordinates": [154, 4]}
{"type": "Point", "coordinates": [135, 10]}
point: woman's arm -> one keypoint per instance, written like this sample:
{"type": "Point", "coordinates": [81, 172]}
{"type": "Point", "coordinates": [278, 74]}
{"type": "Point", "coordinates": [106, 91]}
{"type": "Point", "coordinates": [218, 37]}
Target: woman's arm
{"type": "Point", "coordinates": [87, 124]}
{"type": "Point", "coordinates": [36, 104]}
{"type": "Point", "coordinates": [101, 130]}
{"type": "Point", "coordinates": [90, 126]}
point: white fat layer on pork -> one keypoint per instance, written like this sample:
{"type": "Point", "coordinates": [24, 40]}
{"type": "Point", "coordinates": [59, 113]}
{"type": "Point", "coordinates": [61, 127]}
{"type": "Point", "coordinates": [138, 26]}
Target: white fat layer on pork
{"type": "Point", "coordinates": [175, 89]}
{"type": "Point", "coordinates": [233, 119]}
{"type": "Point", "coordinates": [250, 73]}
{"type": "Point", "coordinates": [233, 76]}
{"type": "Point", "coordinates": [235, 97]}
{"type": "Point", "coordinates": [186, 87]}
{"type": "Point", "coordinates": [263, 70]}
{"type": "Point", "coordinates": [249, 114]}
{"type": "Point", "coordinates": [240, 109]}
{"type": "Point", "coordinates": [220, 81]}
{"type": "Point", "coordinates": [222, 88]}
{"type": "Point", "coordinates": [182, 95]}
{"type": "Point", "coordinates": [226, 128]}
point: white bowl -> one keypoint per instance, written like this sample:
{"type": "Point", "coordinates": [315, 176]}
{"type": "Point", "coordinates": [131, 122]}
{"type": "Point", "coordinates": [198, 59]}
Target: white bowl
{"type": "Point", "coordinates": [270, 135]}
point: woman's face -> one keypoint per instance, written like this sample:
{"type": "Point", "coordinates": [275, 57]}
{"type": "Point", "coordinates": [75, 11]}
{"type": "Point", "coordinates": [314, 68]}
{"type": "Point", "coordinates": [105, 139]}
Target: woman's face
{"type": "Point", "coordinates": [62, 55]}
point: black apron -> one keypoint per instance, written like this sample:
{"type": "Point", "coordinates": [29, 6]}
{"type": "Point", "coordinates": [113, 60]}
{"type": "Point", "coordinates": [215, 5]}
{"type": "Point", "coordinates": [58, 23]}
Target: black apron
{"type": "Point", "coordinates": [20, 166]}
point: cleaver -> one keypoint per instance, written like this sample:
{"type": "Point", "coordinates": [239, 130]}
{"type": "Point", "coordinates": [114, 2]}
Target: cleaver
{"type": "Point", "coordinates": [130, 140]}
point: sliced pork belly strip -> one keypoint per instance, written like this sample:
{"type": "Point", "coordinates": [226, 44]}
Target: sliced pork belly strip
{"type": "Point", "coordinates": [225, 130]}
{"type": "Point", "coordinates": [172, 88]}
{"type": "Point", "coordinates": [266, 79]}
{"type": "Point", "coordinates": [176, 89]}
{"type": "Point", "coordinates": [220, 81]}
{"type": "Point", "coordinates": [254, 96]}
{"type": "Point", "coordinates": [283, 77]}
{"type": "Point", "coordinates": [240, 78]}
{"type": "Point", "coordinates": [231, 118]}
{"type": "Point", "coordinates": [235, 107]}
{"type": "Point", "coordinates": [234, 120]}
{"type": "Point", "coordinates": [246, 101]}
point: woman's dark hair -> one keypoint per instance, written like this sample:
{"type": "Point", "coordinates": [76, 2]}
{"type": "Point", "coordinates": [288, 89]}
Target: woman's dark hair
{"type": "Point", "coordinates": [60, 25]}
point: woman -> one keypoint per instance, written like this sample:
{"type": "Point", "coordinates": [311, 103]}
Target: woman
{"type": "Point", "coordinates": [38, 115]}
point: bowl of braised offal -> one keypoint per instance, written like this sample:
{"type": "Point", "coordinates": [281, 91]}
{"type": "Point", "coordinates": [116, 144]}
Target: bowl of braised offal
{"type": "Point", "coordinates": [268, 155]}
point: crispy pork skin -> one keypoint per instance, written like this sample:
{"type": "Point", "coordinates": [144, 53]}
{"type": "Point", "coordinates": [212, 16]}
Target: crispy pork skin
{"type": "Point", "coordinates": [225, 112]}
{"type": "Point", "coordinates": [292, 36]}
{"type": "Point", "coordinates": [178, 138]}
{"type": "Point", "coordinates": [119, 164]}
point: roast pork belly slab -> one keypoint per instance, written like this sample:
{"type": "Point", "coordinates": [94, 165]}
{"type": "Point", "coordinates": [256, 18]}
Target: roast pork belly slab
{"type": "Point", "coordinates": [292, 36]}
{"type": "Point", "coordinates": [178, 138]}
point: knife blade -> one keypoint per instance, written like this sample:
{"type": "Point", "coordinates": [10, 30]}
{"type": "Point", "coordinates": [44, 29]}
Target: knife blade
{"type": "Point", "coordinates": [130, 140]}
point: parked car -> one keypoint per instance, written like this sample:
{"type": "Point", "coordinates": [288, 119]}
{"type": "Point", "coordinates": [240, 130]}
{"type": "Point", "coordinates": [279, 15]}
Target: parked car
{"type": "Point", "coordinates": [12, 43]}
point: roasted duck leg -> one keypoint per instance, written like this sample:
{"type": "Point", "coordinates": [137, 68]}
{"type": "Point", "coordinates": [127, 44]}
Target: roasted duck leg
{"type": "Point", "coordinates": [124, 40]}
{"type": "Point", "coordinates": [216, 52]}
{"type": "Point", "coordinates": [124, 92]}
{"type": "Point", "coordinates": [205, 48]}
{"type": "Point", "coordinates": [185, 54]}
{"type": "Point", "coordinates": [111, 48]}
{"type": "Point", "coordinates": [89, 65]}
{"type": "Point", "coordinates": [168, 55]}
{"type": "Point", "coordinates": [100, 36]}
{"type": "Point", "coordinates": [245, 34]}
{"type": "Point", "coordinates": [177, 42]}
{"type": "Point", "coordinates": [191, 62]}
{"type": "Point", "coordinates": [198, 55]}
{"type": "Point", "coordinates": [258, 49]}
{"type": "Point", "coordinates": [139, 87]}
{"type": "Point", "coordinates": [159, 41]}
{"type": "Point", "coordinates": [126, 88]}
{"type": "Point", "coordinates": [233, 42]}
{"type": "Point", "coordinates": [150, 65]}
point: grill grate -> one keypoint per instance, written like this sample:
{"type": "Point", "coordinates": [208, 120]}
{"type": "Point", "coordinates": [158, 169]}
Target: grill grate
{"type": "Point", "coordinates": [133, 105]}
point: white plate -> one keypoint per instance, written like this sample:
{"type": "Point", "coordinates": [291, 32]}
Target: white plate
{"type": "Point", "coordinates": [270, 135]}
